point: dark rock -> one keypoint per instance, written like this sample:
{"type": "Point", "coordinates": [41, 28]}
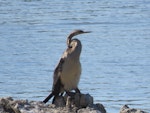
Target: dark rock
{"type": "Point", "coordinates": [99, 107]}
{"type": "Point", "coordinates": [126, 109]}
{"type": "Point", "coordinates": [78, 100]}
{"type": "Point", "coordinates": [86, 100]}
{"type": "Point", "coordinates": [59, 101]}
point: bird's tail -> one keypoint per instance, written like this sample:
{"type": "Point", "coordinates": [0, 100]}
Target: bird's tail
{"type": "Point", "coordinates": [48, 97]}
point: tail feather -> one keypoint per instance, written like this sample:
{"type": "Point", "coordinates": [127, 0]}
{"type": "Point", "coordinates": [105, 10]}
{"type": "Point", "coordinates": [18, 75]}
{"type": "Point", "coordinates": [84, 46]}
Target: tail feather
{"type": "Point", "coordinates": [48, 97]}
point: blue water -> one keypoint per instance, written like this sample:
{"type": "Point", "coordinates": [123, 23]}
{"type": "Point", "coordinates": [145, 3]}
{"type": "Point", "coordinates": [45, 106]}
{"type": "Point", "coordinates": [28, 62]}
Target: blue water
{"type": "Point", "coordinates": [115, 56]}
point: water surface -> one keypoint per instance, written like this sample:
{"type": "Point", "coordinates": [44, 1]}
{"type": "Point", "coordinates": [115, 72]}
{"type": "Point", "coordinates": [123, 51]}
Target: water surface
{"type": "Point", "coordinates": [115, 56]}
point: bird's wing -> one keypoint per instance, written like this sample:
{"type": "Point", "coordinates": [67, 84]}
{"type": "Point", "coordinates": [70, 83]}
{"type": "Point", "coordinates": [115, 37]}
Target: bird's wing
{"type": "Point", "coordinates": [58, 71]}
{"type": "Point", "coordinates": [56, 81]}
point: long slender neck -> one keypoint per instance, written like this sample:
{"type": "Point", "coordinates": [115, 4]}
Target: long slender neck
{"type": "Point", "coordinates": [69, 39]}
{"type": "Point", "coordinates": [75, 50]}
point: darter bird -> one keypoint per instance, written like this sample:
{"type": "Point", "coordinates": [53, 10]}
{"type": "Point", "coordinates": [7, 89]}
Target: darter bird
{"type": "Point", "coordinates": [67, 73]}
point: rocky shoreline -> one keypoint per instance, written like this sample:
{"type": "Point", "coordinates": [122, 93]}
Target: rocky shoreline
{"type": "Point", "coordinates": [82, 103]}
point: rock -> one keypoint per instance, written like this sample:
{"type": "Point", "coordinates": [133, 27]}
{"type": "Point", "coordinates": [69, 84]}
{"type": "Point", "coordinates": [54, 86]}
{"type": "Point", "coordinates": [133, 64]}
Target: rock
{"type": "Point", "coordinates": [88, 111]}
{"type": "Point", "coordinates": [86, 100]}
{"type": "Point", "coordinates": [126, 109]}
{"type": "Point", "coordinates": [99, 107]}
{"type": "Point", "coordinates": [6, 105]}
{"type": "Point", "coordinates": [94, 108]}
{"type": "Point", "coordinates": [60, 102]}
{"type": "Point", "coordinates": [78, 100]}
{"type": "Point", "coordinates": [78, 103]}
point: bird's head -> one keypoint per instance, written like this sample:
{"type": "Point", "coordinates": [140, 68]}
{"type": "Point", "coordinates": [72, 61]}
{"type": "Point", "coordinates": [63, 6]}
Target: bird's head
{"type": "Point", "coordinates": [77, 32]}
{"type": "Point", "coordinates": [74, 33]}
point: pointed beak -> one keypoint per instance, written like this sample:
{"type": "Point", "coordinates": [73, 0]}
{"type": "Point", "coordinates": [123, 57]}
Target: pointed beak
{"type": "Point", "coordinates": [87, 32]}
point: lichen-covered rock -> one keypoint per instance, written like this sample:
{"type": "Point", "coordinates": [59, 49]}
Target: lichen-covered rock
{"type": "Point", "coordinates": [78, 103]}
{"type": "Point", "coordinates": [88, 111]}
{"type": "Point", "coordinates": [7, 106]}
{"type": "Point", "coordinates": [126, 109]}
